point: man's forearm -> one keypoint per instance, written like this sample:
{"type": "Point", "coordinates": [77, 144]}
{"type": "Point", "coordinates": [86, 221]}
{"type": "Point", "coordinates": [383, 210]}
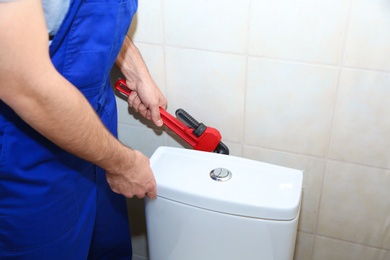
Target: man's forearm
{"type": "Point", "coordinates": [131, 63]}
{"type": "Point", "coordinates": [146, 97]}
{"type": "Point", "coordinates": [58, 111]}
{"type": "Point", "coordinates": [32, 87]}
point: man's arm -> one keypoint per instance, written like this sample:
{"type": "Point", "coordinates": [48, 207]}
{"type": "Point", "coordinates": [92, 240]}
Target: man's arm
{"type": "Point", "coordinates": [33, 88]}
{"type": "Point", "coordinates": [146, 97]}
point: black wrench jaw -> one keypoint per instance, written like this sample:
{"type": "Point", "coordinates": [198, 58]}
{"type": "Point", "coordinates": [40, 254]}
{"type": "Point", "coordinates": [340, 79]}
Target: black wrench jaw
{"type": "Point", "coordinates": [222, 149]}
{"type": "Point", "coordinates": [199, 129]}
{"type": "Point", "coordinates": [191, 122]}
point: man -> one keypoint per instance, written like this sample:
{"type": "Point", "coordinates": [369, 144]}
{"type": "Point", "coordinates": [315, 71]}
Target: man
{"type": "Point", "coordinates": [61, 168]}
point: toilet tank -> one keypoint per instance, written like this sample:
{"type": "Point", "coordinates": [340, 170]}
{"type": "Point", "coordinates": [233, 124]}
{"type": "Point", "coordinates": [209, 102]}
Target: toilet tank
{"type": "Point", "coordinates": [212, 206]}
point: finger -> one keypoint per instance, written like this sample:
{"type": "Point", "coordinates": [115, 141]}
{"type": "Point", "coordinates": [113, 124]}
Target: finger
{"type": "Point", "coordinates": [151, 194]}
{"type": "Point", "coordinates": [137, 104]}
{"type": "Point", "coordinates": [143, 111]}
{"type": "Point", "coordinates": [152, 191]}
{"type": "Point", "coordinates": [156, 117]}
{"type": "Point", "coordinates": [132, 97]}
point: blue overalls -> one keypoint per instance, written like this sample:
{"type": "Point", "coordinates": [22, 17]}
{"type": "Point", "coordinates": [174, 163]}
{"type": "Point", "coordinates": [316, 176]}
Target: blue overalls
{"type": "Point", "coordinates": [54, 205]}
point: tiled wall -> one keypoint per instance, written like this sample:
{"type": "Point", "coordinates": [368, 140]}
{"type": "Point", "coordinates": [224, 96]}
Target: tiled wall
{"type": "Point", "coordinates": [298, 83]}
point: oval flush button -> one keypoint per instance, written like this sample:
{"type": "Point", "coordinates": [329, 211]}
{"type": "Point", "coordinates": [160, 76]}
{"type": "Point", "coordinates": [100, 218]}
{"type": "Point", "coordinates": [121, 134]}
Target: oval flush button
{"type": "Point", "coordinates": [220, 174]}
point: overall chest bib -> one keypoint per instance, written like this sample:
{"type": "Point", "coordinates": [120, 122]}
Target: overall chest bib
{"type": "Point", "coordinates": [44, 191]}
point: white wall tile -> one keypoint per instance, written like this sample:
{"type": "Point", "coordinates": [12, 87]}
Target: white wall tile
{"type": "Point", "coordinates": [289, 106]}
{"type": "Point", "coordinates": [362, 124]}
{"type": "Point", "coordinates": [355, 205]}
{"type": "Point", "coordinates": [302, 30]}
{"type": "Point", "coordinates": [209, 86]}
{"type": "Point", "coordinates": [207, 24]}
{"type": "Point", "coordinates": [313, 171]}
{"type": "Point", "coordinates": [234, 148]}
{"type": "Point", "coordinates": [143, 139]}
{"type": "Point", "coordinates": [327, 248]}
{"type": "Point", "coordinates": [368, 42]}
{"type": "Point", "coordinates": [147, 24]}
{"type": "Point", "coordinates": [153, 56]}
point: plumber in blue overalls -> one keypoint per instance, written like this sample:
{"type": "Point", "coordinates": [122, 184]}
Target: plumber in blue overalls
{"type": "Point", "coordinates": [64, 175]}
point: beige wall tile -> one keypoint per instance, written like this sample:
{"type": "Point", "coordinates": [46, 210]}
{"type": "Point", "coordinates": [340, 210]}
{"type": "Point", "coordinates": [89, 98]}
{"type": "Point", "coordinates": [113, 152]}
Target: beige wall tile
{"type": "Point", "coordinates": [234, 149]}
{"type": "Point", "coordinates": [313, 170]}
{"type": "Point", "coordinates": [361, 131]}
{"type": "Point", "coordinates": [298, 30]}
{"type": "Point", "coordinates": [355, 205]}
{"type": "Point", "coordinates": [326, 249]}
{"type": "Point", "coordinates": [289, 106]}
{"type": "Point", "coordinates": [219, 25]}
{"type": "Point", "coordinates": [147, 24]}
{"type": "Point", "coordinates": [209, 86]}
{"type": "Point", "coordinates": [304, 246]}
{"type": "Point", "coordinates": [368, 38]}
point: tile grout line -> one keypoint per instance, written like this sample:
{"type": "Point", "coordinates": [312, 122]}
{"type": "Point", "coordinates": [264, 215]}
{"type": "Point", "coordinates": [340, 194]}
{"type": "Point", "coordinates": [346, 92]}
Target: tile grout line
{"type": "Point", "coordinates": [352, 243]}
{"type": "Point", "coordinates": [269, 58]}
{"type": "Point", "coordinates": [166, 141]}
{"type": "Point", "coordinates": [310, 156]}
{"type": "Point", "coordinates": [331, 128]}
{"type": "Point", "coordinates": [243, 132]}
{"type": "Point", "coordinates": [343, 240]}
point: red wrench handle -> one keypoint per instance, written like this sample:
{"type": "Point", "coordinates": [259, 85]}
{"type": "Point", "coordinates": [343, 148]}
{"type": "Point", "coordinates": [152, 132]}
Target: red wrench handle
{"type": "Point", "coordinates": [208, 141]}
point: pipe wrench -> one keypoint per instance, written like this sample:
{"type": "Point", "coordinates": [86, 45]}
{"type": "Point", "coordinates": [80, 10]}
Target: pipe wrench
{"type": "Point", "coordinates": [197, 135]}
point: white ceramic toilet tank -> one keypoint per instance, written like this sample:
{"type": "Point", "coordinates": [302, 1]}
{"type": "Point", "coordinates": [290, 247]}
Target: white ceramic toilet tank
{"type": "Point", "coordinates": [250, 213]}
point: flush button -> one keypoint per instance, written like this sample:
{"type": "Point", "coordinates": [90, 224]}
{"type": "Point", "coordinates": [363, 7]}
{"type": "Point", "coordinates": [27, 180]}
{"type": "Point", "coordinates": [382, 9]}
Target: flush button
{"type": "Point", "coordinates": [220, 174]}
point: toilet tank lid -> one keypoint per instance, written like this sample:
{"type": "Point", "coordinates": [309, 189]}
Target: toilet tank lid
{"type": "Point", "coordinates": [255, 189]}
